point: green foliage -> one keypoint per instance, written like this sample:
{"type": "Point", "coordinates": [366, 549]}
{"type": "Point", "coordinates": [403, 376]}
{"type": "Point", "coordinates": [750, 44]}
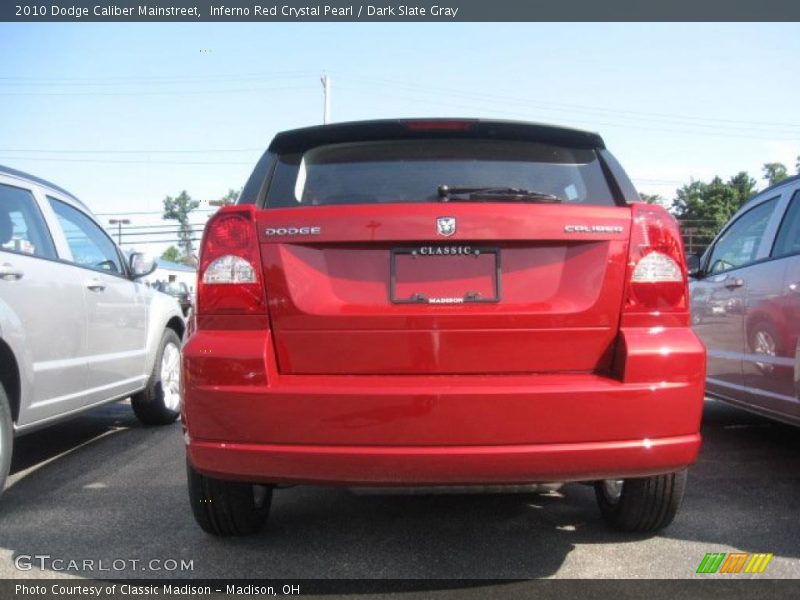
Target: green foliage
{"type": "Point", "coordinates": [715, 202]}
{"type": "Point", "coordinates": [744, 185]}
{"type": "Point", "coordinates": [231, 197]}
{"type": "Point", "coordinates": [703, 208]}
{"type": "Point", "coordinates": [171, 254]}
{"type": "Point", "coordinates": [178, 209]}
{"type": "Point", "coordinates": [775, 172]}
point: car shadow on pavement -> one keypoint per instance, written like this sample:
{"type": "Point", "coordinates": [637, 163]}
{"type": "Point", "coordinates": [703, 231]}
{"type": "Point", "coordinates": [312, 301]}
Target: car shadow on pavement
{"type": "Point", "coordinates": [744, 492]}
{"type": "Point", "coordinates": [46, 444]}
{"type": "Point", "coordinates": [123, 496]}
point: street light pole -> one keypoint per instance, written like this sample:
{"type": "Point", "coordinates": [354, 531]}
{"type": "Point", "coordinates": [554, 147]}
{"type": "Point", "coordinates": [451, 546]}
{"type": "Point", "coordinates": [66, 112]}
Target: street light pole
{"type": "Point", "coordinates": [119, 223]}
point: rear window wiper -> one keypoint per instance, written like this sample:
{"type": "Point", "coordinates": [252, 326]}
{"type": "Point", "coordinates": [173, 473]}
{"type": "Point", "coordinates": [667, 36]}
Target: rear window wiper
{"type": "Point", "coordinates": [497, 194]}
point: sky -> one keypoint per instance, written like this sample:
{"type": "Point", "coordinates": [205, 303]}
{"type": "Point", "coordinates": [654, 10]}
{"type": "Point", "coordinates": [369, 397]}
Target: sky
{"type": "Point", "coordinates": [123, 115]}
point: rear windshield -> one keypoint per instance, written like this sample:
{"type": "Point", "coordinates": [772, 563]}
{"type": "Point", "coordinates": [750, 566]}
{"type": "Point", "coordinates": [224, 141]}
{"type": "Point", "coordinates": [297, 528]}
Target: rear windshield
{"type": "Point", "coordinates": [395, 171]}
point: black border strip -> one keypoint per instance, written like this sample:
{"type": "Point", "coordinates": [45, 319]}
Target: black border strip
{"type": "Point", "coordinates": [344, 11]}
{"type": "Point", "coordinates": [707, 587]}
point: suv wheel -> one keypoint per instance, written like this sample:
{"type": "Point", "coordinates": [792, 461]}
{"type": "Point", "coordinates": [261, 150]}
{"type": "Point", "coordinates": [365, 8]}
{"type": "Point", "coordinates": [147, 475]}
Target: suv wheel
{"type": "Point", "coordinates": [6, 438]}
{"type": "Point", "coordinates": [159, 403]}
{"type": "Point", "coordinates": [643, 504]}
{"type": "Point", "coordinates": [228, 507]}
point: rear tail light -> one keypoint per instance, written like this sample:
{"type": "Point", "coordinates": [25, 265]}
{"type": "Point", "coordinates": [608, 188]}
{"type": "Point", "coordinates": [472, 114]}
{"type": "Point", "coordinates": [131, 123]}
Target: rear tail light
{"type": "Point", "coordinates": [656, 268]}
{"type": "Point", "coordinates": [228, 280]}
{"type": "Point", "coordinates": [656, 291]}
{"type": "Point", "coordinates": [229, 269]}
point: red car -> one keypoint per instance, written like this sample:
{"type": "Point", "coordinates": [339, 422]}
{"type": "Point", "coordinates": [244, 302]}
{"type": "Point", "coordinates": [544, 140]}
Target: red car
{"type": "Point", "coordinates": [440, 303]}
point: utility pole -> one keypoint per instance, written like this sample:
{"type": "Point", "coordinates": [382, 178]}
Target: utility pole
{"type": "Point", "coordinates": [119, 223]}
{"type": "Point", "coordinates": [326, 90]}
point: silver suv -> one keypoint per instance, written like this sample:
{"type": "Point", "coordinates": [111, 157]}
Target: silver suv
{"type": "Point", "coordinates": [77, 328]}
{"type": "Point", "coordinates": [746, 305]}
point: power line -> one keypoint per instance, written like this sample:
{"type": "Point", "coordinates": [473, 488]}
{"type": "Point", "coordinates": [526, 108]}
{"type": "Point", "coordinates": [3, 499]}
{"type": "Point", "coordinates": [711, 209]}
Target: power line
{"type": "Point", "coordinates": [166, 242]}
{"type": "Point", "coordinates": [148, 212]}
{"type": "Point", "coordinates": [159, 93]}
{"type": "Point", "coordinates": [151, 151]}
{"type": "Point", "coordinates": [659, 181]}
{"type": "Point", "coordinates": [529, 115]}
{"type": "Point", "coordinates": [154, 233]}
{"type": "Point", "coordinates": [132, 161]}
{"type": "Point", "coordinates": [161, 226]}
{"type": "Point", "coordinates": [125, 79]}
{"type": "Point", "coordinates": [516, 99]}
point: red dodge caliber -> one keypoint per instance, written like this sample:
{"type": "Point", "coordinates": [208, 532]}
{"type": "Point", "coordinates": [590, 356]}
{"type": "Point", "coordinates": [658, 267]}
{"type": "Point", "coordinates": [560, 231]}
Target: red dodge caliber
{"type": "Point", "coordinates": [429, 303]}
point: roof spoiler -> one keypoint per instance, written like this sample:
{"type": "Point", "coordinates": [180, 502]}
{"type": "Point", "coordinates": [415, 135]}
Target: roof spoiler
{"type": "Point", "coordinates": [301, 140]}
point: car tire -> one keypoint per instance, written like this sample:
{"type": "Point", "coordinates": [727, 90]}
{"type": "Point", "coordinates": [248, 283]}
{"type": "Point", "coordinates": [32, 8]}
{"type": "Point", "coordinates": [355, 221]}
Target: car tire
{"type": "Point", "coordinates": [159, 402]}
{"type": "Point", "coordinates": [6, 438]}
{"type": "Point", "coordinates": [228, 508]}
{"type": "Point", "coordinates": [642, 505]}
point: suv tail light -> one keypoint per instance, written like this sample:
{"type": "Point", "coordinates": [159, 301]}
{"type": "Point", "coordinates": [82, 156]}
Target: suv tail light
{"type": "Point", "coordinates": [656, 288]}
{"type": "Point", "coordinates": [229, 280]}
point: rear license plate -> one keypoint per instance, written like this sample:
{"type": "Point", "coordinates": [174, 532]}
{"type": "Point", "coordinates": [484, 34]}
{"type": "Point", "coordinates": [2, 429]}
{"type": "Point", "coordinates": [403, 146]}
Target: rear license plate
{"type": "Point", "coordinates": [444, 275]}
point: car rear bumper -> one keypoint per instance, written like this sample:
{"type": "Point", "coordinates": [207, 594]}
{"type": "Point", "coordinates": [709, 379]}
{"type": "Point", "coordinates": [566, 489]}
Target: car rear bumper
{"type": "Point", "coordinates": [442, 465]}
{"type": "Point", "coordinates": [246, 421]}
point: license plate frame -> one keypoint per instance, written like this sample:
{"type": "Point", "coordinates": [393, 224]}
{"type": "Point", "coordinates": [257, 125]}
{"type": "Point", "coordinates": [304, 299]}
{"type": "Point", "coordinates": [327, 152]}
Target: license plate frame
{"type": "Point", "coordinates": [466, 299]}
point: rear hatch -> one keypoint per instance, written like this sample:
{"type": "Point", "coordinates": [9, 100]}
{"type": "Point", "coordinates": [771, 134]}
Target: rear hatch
{"type": "Point", "coordinates": [373, 266]}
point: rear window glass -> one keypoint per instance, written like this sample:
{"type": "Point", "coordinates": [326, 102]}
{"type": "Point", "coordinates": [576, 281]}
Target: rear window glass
{"type": "Point", "coordinates": [395, 171]}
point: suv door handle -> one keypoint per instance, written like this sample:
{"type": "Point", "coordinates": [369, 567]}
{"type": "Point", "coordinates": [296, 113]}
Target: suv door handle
{"type": "Point", "coordinates": [734, 282]}
{"type": "Point", "coordinates": [794, 287]}
{"type": "Point", "coordinates": [95, 285]}
{"type": "Point", "coordinates": [9, 273]}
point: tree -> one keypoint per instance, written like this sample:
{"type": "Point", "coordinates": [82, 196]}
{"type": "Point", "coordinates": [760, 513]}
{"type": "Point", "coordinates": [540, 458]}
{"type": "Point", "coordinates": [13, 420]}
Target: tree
{"type": "Point", "coordinates": [775, 172]}
{"type": "Point", "coordinates": [231, 197]}
{"type": "Point", "coordinates": [703, 208]}
{"type": "Point", "coordinates": [797, 165]}
{"type": "Point", "coordinates": [178, 209]}
{"type": "Point", "coordinates": [171, 254]}
{"type": "Point", "coordinates": [745, 187]}
{"type": "Point", "coordinates": [228, 199]}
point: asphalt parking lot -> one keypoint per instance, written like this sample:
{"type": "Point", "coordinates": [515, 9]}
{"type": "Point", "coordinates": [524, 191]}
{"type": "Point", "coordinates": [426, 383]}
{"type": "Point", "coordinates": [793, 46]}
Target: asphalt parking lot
{"type": "Point", "coordinates": [102, 487]}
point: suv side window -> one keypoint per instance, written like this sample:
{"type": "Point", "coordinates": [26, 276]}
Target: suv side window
{"type": "Point", "coordinates": [90, 245]}
{"type": "Point", "coordinates": [788, 239]}
{"type": "Point", "coordinates": [22, 227]}
{"type": "Point", "coordinates": [738, 246]}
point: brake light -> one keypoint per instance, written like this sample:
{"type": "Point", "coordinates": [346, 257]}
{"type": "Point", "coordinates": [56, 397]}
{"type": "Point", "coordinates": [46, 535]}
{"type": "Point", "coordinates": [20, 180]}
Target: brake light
{"type": "Point", "coordinates": [440, 125]}
{"type": "Point", "coordinates": [228, 280]}
{"type": "Point", "coordinates": [656, 291]}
